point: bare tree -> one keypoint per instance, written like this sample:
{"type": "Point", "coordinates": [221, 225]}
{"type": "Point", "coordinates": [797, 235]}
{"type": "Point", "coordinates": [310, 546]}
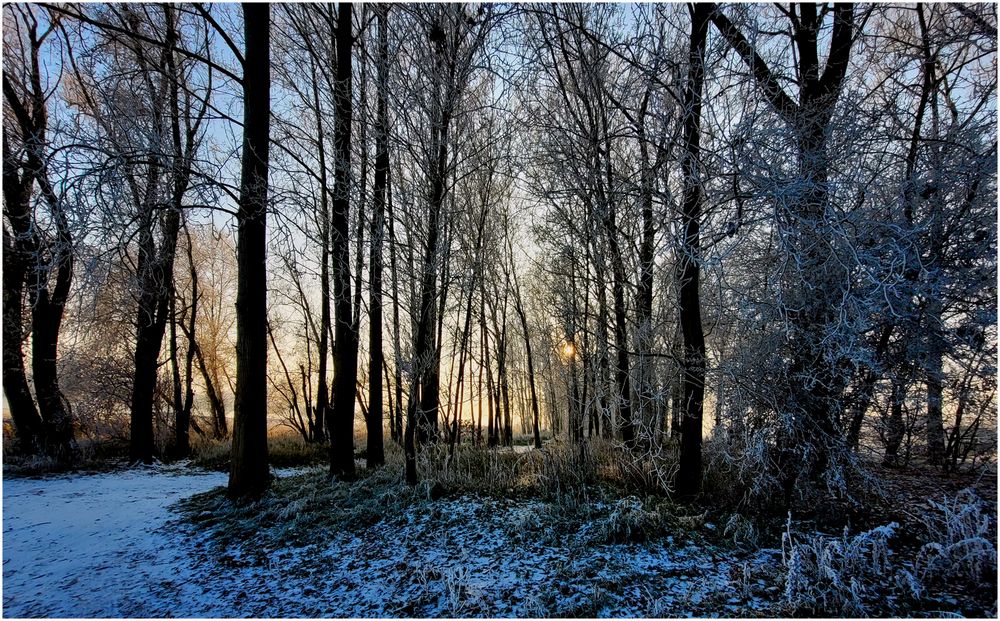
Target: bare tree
{"type": "Point", "coordinates": [249, 476]}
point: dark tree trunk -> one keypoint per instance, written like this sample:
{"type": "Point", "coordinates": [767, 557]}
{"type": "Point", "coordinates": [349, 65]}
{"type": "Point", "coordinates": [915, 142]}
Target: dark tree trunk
{"type": "Point", "coordinates": [644, 296]}
{"type": "Point", "coordinates": [621, 347]}
{"type": "Point", "coordinates": [181, 425]}
{"type": "Point", "coordinates": [688, 481]}
{"type": "Point", "coordinates": [895, 428]}
{"type": "Point", "coordinates": [31, 263]}
{"type": "Point", "coordinates": [27, 422]}
{"type": "Point", "coordinates": [248, 475]}
{"type": "Point", "coordinates": [376, 451]}
{"type": "Point", "coordinates": [519, 307]}
{"type": "Point", "coordinates": [341, 420]}
{"type": "Point", "coordinates": [47, 317]}
{"type": "Point", "coordinates": [156, 265]}
{"type": "Point", "coordinates": [322, 389]}
{"type": "Point", "coordinates": [396, 344]}
{"type": "Point", "coordinates": [184, 416]}
{"type": "Point", "coordinates": [151, 326]}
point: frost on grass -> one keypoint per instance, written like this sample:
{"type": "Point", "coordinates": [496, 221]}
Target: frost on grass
{"type": "Point", "coordinates": [953, 569]}
{"type": "Point", "coordinates": [325, 552]}
{"type": "Point", "coordinates": [109, 545]}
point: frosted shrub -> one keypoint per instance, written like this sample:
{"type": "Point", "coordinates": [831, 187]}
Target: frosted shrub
{"type": "Point", "coordinates": [460, 596]}
{"type": "Point", "coordinates": [741, 530]}
{"type": "Point", "coordinates": [835, 575]}
{"type": "Point", "coordinates": [739, 468]}
{"type": "Point", "coordinates": [628, 521]}
{"type": "Point", "coordinates": [959, 534]}
{"type": "Point", "coordinates": [565, 472]}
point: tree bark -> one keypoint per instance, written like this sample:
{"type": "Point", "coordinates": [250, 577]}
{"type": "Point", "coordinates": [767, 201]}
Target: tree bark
{"type": "Point", "coordinates": [815, 381]}
{"type": "Point", "coordinates": [50, 425]}
{"type": "Point", "coordinates": [322, 389]}
{"type": "Point", "coordinates": [341, 420]}
{"type": "Point", "coordinates": [375, 449]}
{"type": "Point", "coordinates": [688, 482]}
{"type": "Point", "coordinates": [518, 306]}
{"type": "Point", "coordinates": [249, 476]}
{"type": "Point", "coordinates": [27, 422]}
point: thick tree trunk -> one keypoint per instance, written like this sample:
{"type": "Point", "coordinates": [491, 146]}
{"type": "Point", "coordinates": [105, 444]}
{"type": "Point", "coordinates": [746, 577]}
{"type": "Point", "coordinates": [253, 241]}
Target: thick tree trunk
{"type": "Point", "coordinates": [895, 428]}
{"type": "Point", "coordinates": [341, 420]}
{"type": "Point", "coordinates": [50, 426]}
{"type": "Point", "coordinates": [688, 482]}
{"type": "Point", "coordinates": [46, 319]}
{"type": "Point", "coordinates": [249, 476]}
{"type": "Point", "coordinates": [375, 448]}
{"type": "Point", "coordinates": [934, 379]}
{"type": "Point", "coordinates": [147, 351]}
{"type": "Point", "coordinates": [815, 380]}
{"type": "Point", "coordinates": [27, 422]}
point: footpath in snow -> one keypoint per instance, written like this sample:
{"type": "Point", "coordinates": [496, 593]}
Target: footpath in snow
{"type": "Point", "coordinates": [95, 545]}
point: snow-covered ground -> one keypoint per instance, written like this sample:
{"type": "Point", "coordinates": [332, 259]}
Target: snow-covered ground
{"type": "Point", "coordinates": [95, 545]}
{"type": "Point", "coordinates": [107, 544]}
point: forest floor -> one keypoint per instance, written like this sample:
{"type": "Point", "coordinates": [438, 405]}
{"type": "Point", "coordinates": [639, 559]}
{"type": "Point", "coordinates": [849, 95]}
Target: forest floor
{"type": "Point", "coordinates": [162, 541]}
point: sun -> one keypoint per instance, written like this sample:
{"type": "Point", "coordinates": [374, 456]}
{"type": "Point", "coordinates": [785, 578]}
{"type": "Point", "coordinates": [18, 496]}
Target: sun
{"type": "Point", "coordinates": [569, 350]}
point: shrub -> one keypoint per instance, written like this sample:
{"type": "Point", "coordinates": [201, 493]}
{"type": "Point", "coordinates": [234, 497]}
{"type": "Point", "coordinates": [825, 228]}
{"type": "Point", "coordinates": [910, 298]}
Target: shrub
{"type": "Point", "coordinates": [835, 575]}
{"type": "Point", "coordinates": [958, 531]}
{"type": "Point", "coordinates": [283, 451]}
{"type": "Point", "coordinates": [628, 521]}
{"type": "Point", "coordinates": [565, 472]}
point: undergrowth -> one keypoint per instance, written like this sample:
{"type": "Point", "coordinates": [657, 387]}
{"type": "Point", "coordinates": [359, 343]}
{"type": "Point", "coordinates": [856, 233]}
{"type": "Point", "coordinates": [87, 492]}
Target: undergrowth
{"type": "Point", "coordinates": [954, 562]}
{"type": "Point", "coordinates": [283, 451]}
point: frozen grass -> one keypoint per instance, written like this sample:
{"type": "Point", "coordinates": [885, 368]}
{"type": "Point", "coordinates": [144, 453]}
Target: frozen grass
{"type": "Point", "coordinates": [376, 547]}
{"type": "Point", "coordinates": [500, 533]}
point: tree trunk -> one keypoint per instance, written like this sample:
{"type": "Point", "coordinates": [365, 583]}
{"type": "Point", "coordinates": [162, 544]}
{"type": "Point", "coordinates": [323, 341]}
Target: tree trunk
{"type": "Point", "coordinates": [50, 426]}
{"type": "Point", "coordinates": [688, 482]}
{"type": "Point", "coordinates": [644, 303]}
{"type": "Point", "coordinates": [322, 389]}
{"type": "Point", "coordinates": [341, 420]}
{"type": "Point", "coordinates": [184, 404]}
{"type": "Point", "coordinates": [895, 427]}
{"type": "Point", "coordinates": [27, 422]}
{"type": "Point", "coordinates": [815, 381]}
{"type": "Point", "coordinates": [375, 449]}
{"type": "Point", "coordinates": [248, 475]}
{"type": "Point", "coordinates": [181, 427]}
{"type": "Point", "coordinates": [396, 344]}
{"type": "Point", "coordinates": [934, 379]}
{"type": "Point", "coordinates": [519, 308]}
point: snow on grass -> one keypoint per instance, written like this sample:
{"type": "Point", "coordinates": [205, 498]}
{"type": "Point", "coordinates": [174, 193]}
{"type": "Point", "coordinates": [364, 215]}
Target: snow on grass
{"type": "Point", "coordinates": [155, 542]}
{"type": "Point", "coordinates": [108, 544]}
{"type": "Point", "coordinates": [464, 556]}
